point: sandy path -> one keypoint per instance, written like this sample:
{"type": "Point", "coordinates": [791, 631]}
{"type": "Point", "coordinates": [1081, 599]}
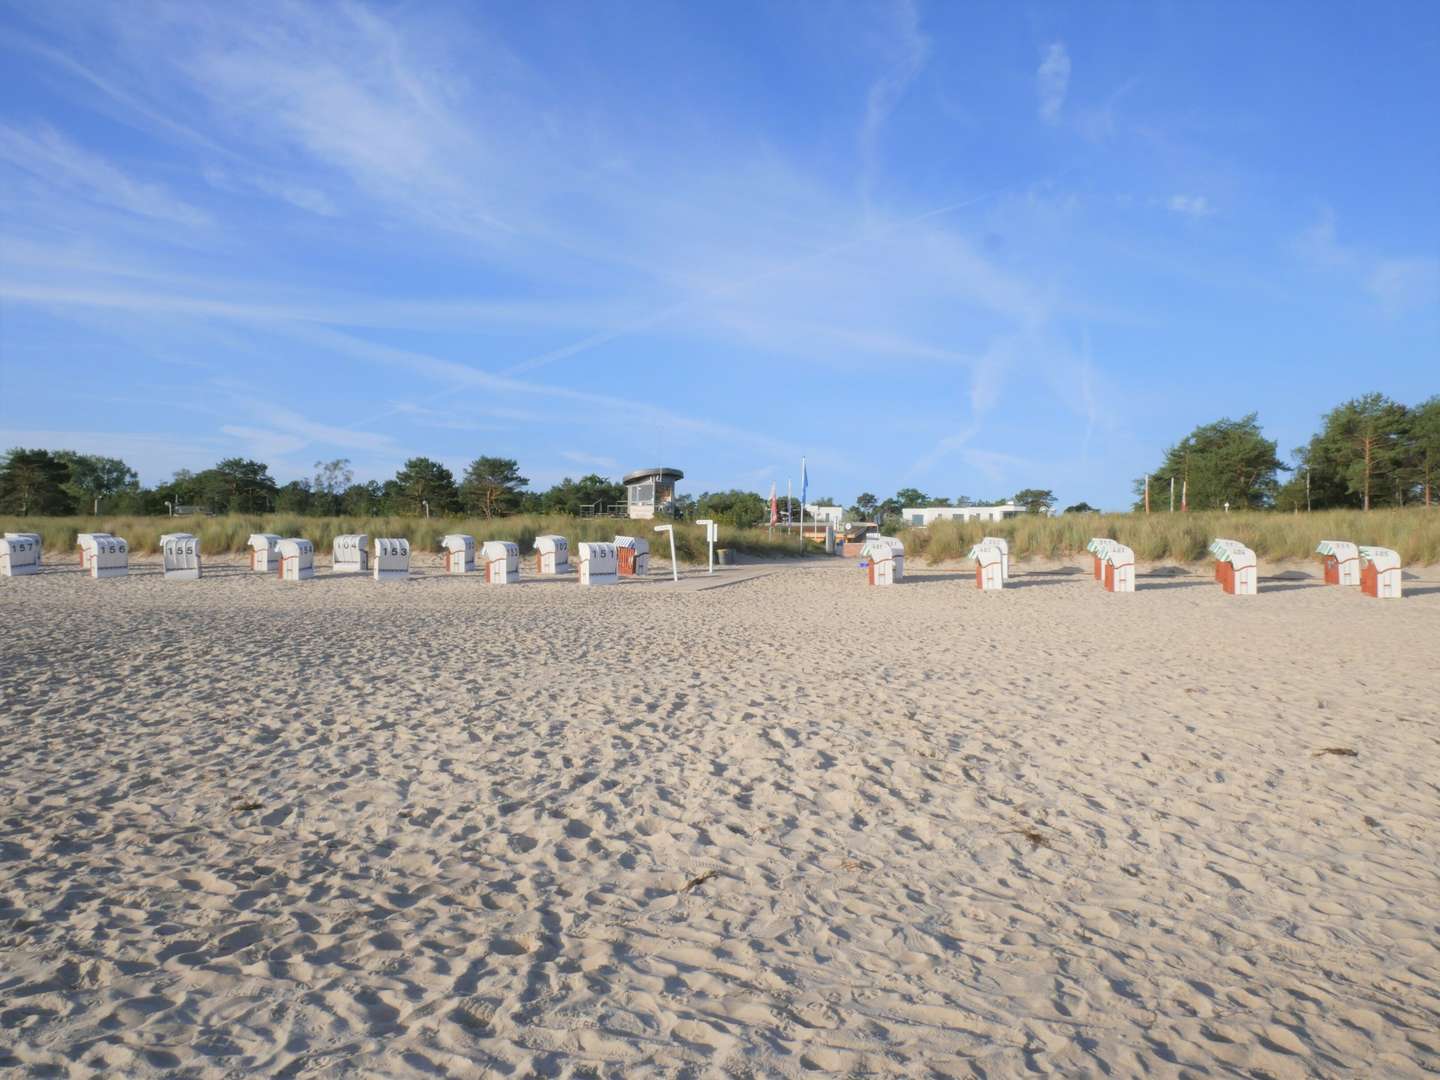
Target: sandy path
{"type": "Point", "coordinates": [435, 828]}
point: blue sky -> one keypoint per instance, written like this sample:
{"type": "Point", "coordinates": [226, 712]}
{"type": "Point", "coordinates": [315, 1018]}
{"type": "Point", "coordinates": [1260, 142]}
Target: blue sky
{"type": "Point", "coordinates": [968, 248]}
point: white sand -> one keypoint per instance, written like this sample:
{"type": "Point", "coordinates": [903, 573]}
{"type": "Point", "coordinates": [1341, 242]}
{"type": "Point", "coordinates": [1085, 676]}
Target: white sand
{"type": "Point", "coordinates": [436, 828]}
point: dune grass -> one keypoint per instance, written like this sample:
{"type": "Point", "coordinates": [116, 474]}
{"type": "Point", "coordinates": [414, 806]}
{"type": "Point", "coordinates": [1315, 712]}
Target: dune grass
{"type": "Point", "coordinates": [1414, 533]}
{"type": "Point", "coordinates": [230, 532]}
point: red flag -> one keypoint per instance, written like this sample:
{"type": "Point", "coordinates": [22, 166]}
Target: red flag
{"type": "Point", "coordinates": [774, 506]}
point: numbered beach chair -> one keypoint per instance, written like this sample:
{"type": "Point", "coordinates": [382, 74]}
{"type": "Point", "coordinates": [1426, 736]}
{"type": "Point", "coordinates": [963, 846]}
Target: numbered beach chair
{"type": "Point", "coordinates": [502, 562]}
{"type": "Point", "coordinates": [552, 554]}
{"type": "Point", "coordinates": [84, 542]}
{"type": "Point", "coordinates": [599, 564]}
{"type": "Point", "coordinates": [264, 554]}
{"type": "Point", "coordinates": [988, 560]}
{"type": "Point", "coordinates": [296, 559]}
{"type": "Point", "coordinates": [1341, 560]}
{"type": "Point", "coordinates": [884, 560]}
{"type": "Point", "coordinates": [104, 555]}
{"type": "Point", "coordinates": [180, 556]}
{"type": "Point", "coordinates": [19, 555]}
{"type": "Point", "coordinates": [1097, 547]}
{"type": "Point", "coordinates": [1380, 573]}
{"type": "Point", "coordinates": [1004, 546]}
{"type": "Point", "coordinates": [391, 559]}
{"type": "Point", "coordinates": [39, 543]}
{"type": "Point", "coordinates": [1235, 567]}
{"type": "Point", "coordinates": [459, 553]}
{"type": "Point", "coordinates": [1119, 569]}
{"type": "Point", "coordinates": [350, 553]}
{"type": "Point", "coordinates": [634, 552]}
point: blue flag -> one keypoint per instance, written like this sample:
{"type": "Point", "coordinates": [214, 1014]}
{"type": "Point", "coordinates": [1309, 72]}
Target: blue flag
{"type": "Point", "coordinates": [804, 484]}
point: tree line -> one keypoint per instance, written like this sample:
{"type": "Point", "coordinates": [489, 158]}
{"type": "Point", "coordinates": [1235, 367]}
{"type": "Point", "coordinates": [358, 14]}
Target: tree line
{"type": "Point", "coordinates": [65, 482]}
{"type": "Point", "coordinates": [1369, 452]}
{"type": "Point", "coordinates": [44, 482]}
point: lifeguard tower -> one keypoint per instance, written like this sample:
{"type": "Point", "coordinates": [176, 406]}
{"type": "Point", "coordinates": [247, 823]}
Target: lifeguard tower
{"type": "Point", "coordinates": [650, 493]}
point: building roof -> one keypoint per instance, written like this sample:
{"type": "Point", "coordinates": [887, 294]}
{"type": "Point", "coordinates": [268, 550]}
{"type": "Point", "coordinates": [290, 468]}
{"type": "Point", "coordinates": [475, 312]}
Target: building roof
{"type": "Point", "coordinates": [659, 472]}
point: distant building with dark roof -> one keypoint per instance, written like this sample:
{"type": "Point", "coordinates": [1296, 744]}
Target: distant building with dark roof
{"type": "Point", "coordinates": [651, 492]}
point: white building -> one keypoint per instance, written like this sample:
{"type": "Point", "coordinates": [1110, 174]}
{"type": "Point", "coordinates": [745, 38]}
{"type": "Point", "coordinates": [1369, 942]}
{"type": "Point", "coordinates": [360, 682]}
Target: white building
{"type": "Point", "coordinates": [922, 516]}
{"type": "Point", "coordinates": [823, 515]}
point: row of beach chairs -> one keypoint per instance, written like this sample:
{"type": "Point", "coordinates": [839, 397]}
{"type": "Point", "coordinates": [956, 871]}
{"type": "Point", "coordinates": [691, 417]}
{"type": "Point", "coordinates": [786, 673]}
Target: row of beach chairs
{"type": "Point", "coordinates": [1375, 570]}
{"type": "Point", "coordinates": [384, 558]}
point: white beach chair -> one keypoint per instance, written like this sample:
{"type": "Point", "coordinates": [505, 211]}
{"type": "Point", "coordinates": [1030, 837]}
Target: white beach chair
{"type": "Point", "coordinates": [296, 559]}
{"type": "Point", "coordinates": [263, 553]}
{"type": "Point", "coordinates": [36, 537]}
{"type": "Point", "coordinates": [885, 560]}
{"type": "Point", "coordinates": [502, 562]}
{"type": "Point", "coordinates": [1235, 567]}
{"type": "Point", "coordinates": [180, 557]}
{"type": "Point", "coordinates": [1097, 548]}
{"type": "Point", "coordinates": [391, 558]}
{"type": "Point", "coordinates": [634, 553]}
{"type": "Point", "coordinates": [459, 553]}
{"type": "Point", "coordinates": [1342, 562]}
{"type": "Point", "coordinates": [1380, 575]}
{"type": "Point", "coordinates": [599, 564]}
{"type": "Point", "coordinates": [1119, 569]}
{"type": "Point", "coordinates": [84, 543]}
{"type": "Point", "coordinates": [552, 554]}
{"type": "Point", "coordinates": [1004, 546]}
{"type": "Point", "coordinates": [19, 555]}
{"type": "Point", "coordinates": [350, 553]}
{"type": "Point", "coordinates": [104, 555]}
{"type": "Point", "coordinates": [988, 561]}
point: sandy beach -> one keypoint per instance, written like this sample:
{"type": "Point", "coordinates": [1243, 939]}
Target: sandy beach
{"type": "Point", "coordinates": [789, 826]}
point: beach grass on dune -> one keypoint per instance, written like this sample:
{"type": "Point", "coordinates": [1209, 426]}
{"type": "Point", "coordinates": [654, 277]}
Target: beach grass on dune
{"type": "Point", "coordinates": [229, 533]}
{"type": "Point", "coordinates": [1413, 532]}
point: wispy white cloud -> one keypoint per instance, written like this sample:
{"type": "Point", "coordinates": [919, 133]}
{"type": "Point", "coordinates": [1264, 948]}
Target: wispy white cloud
{"type": "Point", "coordinates": [1101, 123]}
{"type": "Point", "coordinates": [453, 374]}
{"type": "Point", "coordinates": [1052, 81]}
{"type": "Point", "coordinates": [96, 291]}
{"type": "Point", "coordinates": [1404, 284]}
{"type": "Point", "coordinates": [59, 162]}
{"type": "Point", "coordinates": [262, 444]}
{"type": "Point", "coordinates": [297, 194]}
{"type": "Point", "coordinates": [1397, 284]}
{"type": "Point", "coordinates": [447, 419]}
{"type": "Point", "coordinates": [1318, 244]}
{"type": "Point", "coordinates": [591, 461]}
{"type": "Point", "coordinates": [1190, 205]}
{"type": "Point", "coordinates": [907, 51]}
{"type": "Point", "coordinates": [283, 421]}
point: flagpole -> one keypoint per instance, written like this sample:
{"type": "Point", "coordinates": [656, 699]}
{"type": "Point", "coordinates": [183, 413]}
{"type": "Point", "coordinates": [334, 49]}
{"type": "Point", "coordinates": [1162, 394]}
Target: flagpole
{"type": "Point", "coordinates": [804, 489]}
{"type": "Point", "coordinates": [789, 506]}
{"type": "Point", "coordinates": [1172, 493]}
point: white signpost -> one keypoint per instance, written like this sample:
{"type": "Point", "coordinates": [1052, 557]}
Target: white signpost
{"type": "Point", "coordinates": [712, 534]}
{"type": "Point", "coordinates": [674, 570]}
